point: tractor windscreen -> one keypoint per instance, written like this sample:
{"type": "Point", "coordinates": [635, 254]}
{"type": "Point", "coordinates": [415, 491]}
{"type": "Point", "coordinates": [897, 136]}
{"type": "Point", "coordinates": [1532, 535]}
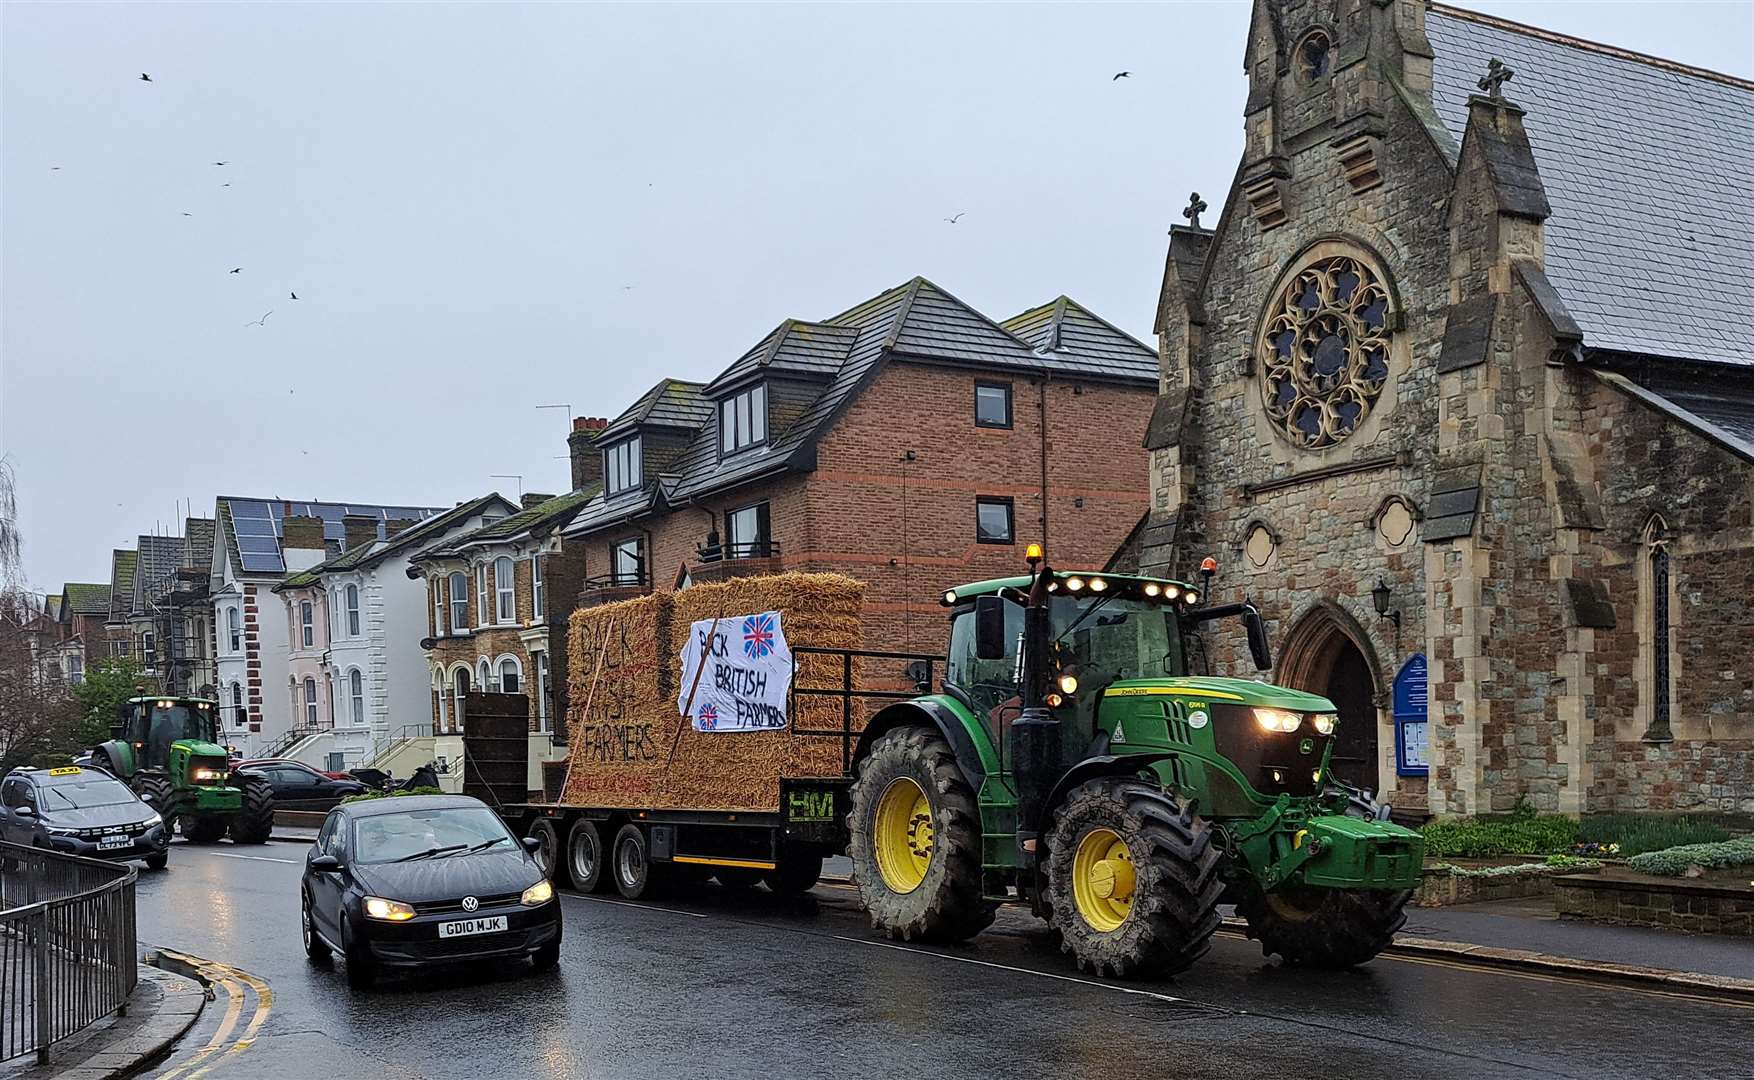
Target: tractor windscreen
{"type": "Point", "coordinates": [172, 723]}
{"type": "Point", "coordinates": [1103, 639]}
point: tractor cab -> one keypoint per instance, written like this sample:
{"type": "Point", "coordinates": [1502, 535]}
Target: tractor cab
{"type": "Point", "coordinates": [152, 726]}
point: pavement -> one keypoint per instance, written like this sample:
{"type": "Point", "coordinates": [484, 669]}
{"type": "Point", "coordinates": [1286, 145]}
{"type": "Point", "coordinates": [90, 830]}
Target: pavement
{"type": "Point", "coordinates": [732, 985]}
{"type": "Point", "coordinates": [163, 1007]}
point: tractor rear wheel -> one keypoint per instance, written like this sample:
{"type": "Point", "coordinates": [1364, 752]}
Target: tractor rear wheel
{"type": "Point", "coordinates": [255, 819]}
{"type": "Point", "coordinates": [1132, 879]}
{"type": "Point", "coordinates": [916, 840]}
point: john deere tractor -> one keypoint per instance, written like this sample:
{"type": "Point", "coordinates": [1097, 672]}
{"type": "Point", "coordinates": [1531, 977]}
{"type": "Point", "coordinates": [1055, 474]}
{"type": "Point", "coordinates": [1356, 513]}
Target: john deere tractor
{"type": "Point", "coordinates": [167, 749]}
{"type": "Point", "coordinates": [1072, 762]}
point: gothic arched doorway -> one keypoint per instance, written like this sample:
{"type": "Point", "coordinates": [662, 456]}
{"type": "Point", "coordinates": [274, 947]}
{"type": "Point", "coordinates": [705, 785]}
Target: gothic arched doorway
{"type": "Point", "coordinates": [1327, 653]}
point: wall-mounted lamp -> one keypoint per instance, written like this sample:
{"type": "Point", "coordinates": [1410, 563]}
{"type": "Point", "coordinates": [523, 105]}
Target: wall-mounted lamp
{"type": "Point", "coordinates": [1379, 599]}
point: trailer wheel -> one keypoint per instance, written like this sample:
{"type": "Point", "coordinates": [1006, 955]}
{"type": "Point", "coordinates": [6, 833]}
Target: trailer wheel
{"type": "Point", "coordinates": [796, 874]}
{"type": "Point", "coordinates": [548, 854]}
{"type": "Point", "coordinates": [736, 878]}
{"type": "Point", "coordinates": [635, 876]}
{"type": "Point", "coordinates": [584, 857]}
{"type": "Point", "coordinates": [916, 840]}
{"type": "Point", "coordinates": [1132, 879]}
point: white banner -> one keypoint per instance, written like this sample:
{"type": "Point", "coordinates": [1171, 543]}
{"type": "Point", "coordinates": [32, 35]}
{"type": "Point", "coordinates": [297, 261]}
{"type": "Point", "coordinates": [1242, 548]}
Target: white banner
{"type": "Point", "coordinates": [735, 674]}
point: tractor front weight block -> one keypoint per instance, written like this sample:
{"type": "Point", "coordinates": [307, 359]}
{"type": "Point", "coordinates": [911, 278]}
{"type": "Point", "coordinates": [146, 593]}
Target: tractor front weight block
{"type": "Point", "coordinates": [1353, 853]}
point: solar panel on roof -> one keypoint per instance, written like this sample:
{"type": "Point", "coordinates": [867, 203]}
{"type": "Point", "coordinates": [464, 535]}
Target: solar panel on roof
{"type": "Point", "coordinates": [263, 563]}
{"type": "Point", "coordinates": [259, 545]}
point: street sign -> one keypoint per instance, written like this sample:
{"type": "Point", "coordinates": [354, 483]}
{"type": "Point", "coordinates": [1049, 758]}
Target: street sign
{"type": "Point", "coordinates": [1411, 695]}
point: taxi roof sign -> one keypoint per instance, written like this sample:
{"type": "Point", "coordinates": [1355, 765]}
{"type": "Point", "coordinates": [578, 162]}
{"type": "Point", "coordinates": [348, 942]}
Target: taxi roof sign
{"type": "Point", "coordinates": [66, 770]}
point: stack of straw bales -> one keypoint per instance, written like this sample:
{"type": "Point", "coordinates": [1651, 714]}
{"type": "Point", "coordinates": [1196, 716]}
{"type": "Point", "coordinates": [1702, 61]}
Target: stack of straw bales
{"type": "Point", "coordinates": [631, 748]}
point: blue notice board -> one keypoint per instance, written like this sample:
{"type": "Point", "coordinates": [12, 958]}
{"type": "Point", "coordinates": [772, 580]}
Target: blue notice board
{"type": "Point", "coordinates": [1411, 696]}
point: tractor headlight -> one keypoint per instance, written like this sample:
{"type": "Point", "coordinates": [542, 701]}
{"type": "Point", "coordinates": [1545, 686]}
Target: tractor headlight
{"type": "Point", "coordinates": [537, 894]}
{"type": "Point", "coordinates": [1277, 719]}
{"type": "Point", "coordinates": [1069, 683]}
{"type": "Point", "coordinates": [1324, 722]}
{"type": "Point", "coordinates": [203, 776]}
{"type": "Point", "coordinates": [376, 907]}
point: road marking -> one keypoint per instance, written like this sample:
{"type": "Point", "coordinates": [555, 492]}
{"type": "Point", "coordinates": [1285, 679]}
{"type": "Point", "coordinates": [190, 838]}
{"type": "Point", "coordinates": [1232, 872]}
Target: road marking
{"type": "Point", "coordinates": [1028, 971]}
{"type": "Point", "coordinates": [254, 858]}
{"type": "Point", "coordinates": [233, 981]}
{"type": "Point", "coordinates": [640, 907]}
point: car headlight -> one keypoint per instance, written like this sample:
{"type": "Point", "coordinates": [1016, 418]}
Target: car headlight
{"type": "Point", "coordinates": [56, 830]}
{"type": "Point", "coordinates": [539, 893]}
{"type": "Point", "coordinates": [1277, 719]}
{"type": "Point", "coordinates": [153, 820]}
{"type": "Point", "coordinates": [376, 907]}
{"type": "Point", "coordinates": [1324, 722]}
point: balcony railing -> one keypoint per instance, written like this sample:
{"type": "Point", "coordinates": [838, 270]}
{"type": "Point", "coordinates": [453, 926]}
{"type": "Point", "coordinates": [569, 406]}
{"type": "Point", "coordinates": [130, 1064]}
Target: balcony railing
{"type": "Point", "coordinates": [620, 580]}
{"type": "Point", "coordinates": [750, 549]}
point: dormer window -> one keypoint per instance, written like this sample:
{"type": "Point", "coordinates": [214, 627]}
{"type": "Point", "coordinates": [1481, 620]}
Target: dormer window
{"type": "Point", "coordinates": [743, 419]}
{"type": "Point", "coordinates": [621, 466]}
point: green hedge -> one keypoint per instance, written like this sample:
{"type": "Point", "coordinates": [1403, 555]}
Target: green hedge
{"type": "Point", "coordinates": [1521, 833]}
{"type": "Point", "coordinates": [1639, 833]}
{"type": "Point", "coordinates": [370, 795]}
{"type": "Point", "coordinates": [1673, 862]}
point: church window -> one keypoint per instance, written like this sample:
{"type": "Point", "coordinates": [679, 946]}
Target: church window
{"type": "Point", "coordinates": [1656, 633]}
{"type": "Point", "coordinates": [1324, 351]}
{"type": "Point", "coordinates": [1313, 56]}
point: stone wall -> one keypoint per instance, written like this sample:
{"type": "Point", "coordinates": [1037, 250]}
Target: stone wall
{"type": "Point", "coordinates": [1679, 905]}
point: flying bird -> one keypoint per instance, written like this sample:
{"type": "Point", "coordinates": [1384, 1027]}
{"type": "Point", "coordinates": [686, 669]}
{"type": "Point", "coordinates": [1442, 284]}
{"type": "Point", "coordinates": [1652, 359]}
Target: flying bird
{"type": "Point", "coordinates": [1122, 75]}
{"type": "Point", "coordinates": [144, 77]}
{"type": "Point", "coordinates": [54, 168]}
{"type": "Point", "coordinates": [263, 321]}
{"type": "Point", "coordinates": [187, 214]}
{"type": "Point", "coordinates": [235, 270]}
{"type": "Point", "coordinates": [222, 163]}
{"type": "Point", "coordinates": [225, 185]}
{"type": "Point", "coordinates": [959, 213]}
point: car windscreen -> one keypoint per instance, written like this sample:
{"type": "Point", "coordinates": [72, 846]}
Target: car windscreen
{"type": "Point", "coordinates": [433, 833]}
{"type": "Point", "coordinates": [83, 792]}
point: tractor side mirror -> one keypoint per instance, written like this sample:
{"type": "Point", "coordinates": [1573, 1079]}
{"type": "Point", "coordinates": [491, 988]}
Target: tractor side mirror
{"type": "Point", "coordinates": [116, 731]}
{"type": "Point", "coordinates": [324, 864]}
{"type": "Point", "coordinates": [1258, 647]}
{"type": "Point", "coordinates": [989, 628]}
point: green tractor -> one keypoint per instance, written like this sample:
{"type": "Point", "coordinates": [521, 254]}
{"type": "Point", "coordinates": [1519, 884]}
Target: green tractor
{"type": "Point", "coordinates": [167, 749]}
{"type": "Point", "coordinates": [1072, 762]}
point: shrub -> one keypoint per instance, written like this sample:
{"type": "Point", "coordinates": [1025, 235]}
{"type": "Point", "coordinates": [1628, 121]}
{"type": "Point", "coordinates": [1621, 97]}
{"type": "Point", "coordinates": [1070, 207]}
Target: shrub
{"type": "Point", "coordinates": [370, 795]}
{"type": "Point", "coordinates": [1518, 833]}
{"type": "Point", "coordinates": [1639, 833]}
{"type": "Point", "coordinates": [1673, 862]}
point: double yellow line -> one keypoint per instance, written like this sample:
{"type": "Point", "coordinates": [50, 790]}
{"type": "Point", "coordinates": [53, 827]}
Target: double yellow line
{"type": "Point", "coordinates": [238, 986]}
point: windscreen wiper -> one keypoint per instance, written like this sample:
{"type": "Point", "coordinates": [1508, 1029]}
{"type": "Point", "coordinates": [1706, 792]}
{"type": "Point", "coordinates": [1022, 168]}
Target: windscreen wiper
{"type": "Point", "coordinates": [485, 844]}
{"type": "Point", "coordinates": [430, 852]}
{"type": "Point", "coordinates": [1085, 614]}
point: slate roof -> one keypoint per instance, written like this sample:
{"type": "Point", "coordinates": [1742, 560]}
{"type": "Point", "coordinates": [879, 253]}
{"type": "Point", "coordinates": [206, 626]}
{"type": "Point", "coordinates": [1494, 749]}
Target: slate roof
{"type": "Point", "coordinates": [121, 583]}
{"type": "Point", "coordinates": [198, 542]}
{"type": "Point", "coordinates": [86, 599]}
{"type": "Point", "coordinates": [1646, 164]}
{"type": "Point", "coordinates": [251, 528]}
{"type": "Point", "coordinates": [1067, 331]}
{"type": "Point", "coordinates": [368, 555]}
{"type": "Point", "coordinates": [915, 321]}
{"type": "Point", "coordinates": [542, 517]}
{"type": "Point", "coordinates": [155, 567]}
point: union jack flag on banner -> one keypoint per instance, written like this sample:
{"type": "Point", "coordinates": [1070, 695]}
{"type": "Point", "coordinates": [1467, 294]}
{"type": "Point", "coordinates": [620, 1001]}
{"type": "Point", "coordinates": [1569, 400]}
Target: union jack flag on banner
{"type": "Point", "coordinates": [758, 635]}
{"type": "Point", "coordinates": [736, 674]}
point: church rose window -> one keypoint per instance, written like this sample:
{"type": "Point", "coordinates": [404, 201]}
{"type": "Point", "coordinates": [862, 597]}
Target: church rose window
{"type": "Point", "coordinates": [1324, 351]}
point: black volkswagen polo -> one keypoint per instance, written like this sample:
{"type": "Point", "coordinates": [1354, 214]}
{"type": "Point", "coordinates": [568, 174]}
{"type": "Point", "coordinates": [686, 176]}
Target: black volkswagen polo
{"type": "Point", "coordinates": [424, 880]}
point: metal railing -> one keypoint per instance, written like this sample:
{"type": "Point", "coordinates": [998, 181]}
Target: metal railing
{"type": "Point", "coordinates": [918, 676]}
{"type": "Point", "coordinates": [745, 549]}
{"type": "Point", "coordinates": [67, 946]}
{"type": "Point", "coordinates": [287, 741]}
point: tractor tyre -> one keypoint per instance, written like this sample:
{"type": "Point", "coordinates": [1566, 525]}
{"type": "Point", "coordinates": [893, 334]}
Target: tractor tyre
{"type": "Point", "coordinates": [795, 875]}
{"type": "Point", "coordinates": [1323, 928]}
{"type": "Point", "coordinates": [1132, 879]}
{"type": "Point", "coordinates": [547, 836]}
{"type": "Point", "coordinates": [155, 791]}
{"type": "Point", "coordinates": [255, 819]}
{"type": "Point", "coordinates": [916, 840]}
{"type": "Point", "coordinates": [204, 828]}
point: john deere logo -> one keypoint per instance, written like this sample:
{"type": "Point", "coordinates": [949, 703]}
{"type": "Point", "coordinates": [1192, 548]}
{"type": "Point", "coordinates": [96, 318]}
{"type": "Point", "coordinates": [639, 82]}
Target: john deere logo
{"type": "Point", "coordinates": [1307, 746]}
{"type": "Point", "coordinates": [470, 903]}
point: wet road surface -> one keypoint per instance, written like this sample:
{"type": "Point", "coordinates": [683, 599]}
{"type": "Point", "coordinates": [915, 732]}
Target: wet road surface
{"type": "Point", "coordinates": [717, 984]}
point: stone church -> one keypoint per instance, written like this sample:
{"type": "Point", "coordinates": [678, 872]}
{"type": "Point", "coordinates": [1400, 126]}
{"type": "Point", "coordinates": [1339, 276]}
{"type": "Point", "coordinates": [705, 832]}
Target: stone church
{"type": "Point", "coordinates": [1459, 390]}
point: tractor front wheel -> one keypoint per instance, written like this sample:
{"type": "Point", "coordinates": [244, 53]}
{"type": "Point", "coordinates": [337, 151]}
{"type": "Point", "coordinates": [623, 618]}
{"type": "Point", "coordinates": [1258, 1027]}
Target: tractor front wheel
{"type": "Point", "coordinates": [155, 791]}
{"type": "Point", "coordinates": [255, 819]}
{"type": "Point", "coordinates": [204, 828]}
{"type": "Point", "coordinates": [1323, 928]}
{"type": "Point", "coordinates": [1132, 879]}
{"type": "Point", "coordinates": [916, 840]}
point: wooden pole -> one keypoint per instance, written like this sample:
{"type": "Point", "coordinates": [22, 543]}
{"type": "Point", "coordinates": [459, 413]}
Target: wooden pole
{"type": "Point", "coordinates": [571, 751]}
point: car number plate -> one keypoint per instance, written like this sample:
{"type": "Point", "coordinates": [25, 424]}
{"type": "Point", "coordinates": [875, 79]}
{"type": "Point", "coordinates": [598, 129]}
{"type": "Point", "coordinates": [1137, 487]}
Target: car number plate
{"type": "Point", "coordinates": [119, 840]}
{"type": "Point", "coordinates": [465, 927]}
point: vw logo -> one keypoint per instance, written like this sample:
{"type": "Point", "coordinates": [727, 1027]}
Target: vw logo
{"type": "Point", "coordinates": [470, 903]}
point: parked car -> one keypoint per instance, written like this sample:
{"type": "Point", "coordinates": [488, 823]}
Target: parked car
{"type": "Point", "coordinates": [424, 880]}
{"type": "Point", "coordinates": [330, 773]}
{"type": "Point", "coordinates": [297, 786]}
{"type": "Point", "coordinates": [82, 811]}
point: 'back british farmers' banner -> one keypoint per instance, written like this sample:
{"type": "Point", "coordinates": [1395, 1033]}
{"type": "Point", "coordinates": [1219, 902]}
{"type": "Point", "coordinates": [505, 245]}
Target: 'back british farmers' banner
{"type": "Point", "coordinates": [735, 674]}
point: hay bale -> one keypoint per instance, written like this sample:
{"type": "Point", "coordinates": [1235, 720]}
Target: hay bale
{"type": "Point", "coordinates": [632, 749]}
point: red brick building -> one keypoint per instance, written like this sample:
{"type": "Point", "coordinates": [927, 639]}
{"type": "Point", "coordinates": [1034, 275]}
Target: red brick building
{"type": "Point", "coordinates": [910, 441]}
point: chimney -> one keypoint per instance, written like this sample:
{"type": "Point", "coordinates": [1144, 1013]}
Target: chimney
{"type": "Point", "coordinates": [587, 460]}
{"type": "Point", "coordinates": [532, 498]}
{"type": "Point", "coordinates": [358, 530]}
{"type": "Point", "coordinates": [301, 542]}
{"type": "Point", "coordinates": [396, 525]}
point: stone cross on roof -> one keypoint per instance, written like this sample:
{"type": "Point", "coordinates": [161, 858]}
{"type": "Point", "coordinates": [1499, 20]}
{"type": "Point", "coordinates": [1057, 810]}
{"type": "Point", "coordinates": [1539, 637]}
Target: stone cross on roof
{"type": "Point", "coordinates": [1192, 213]}
{"type": "Point", "coordinates": [1496, 76]}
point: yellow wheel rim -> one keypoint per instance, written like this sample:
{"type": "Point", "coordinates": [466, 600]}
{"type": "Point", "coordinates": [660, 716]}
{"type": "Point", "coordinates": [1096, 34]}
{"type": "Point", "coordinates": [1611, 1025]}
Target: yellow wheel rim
{"type": "Point", "coordinates": [902, 835]}
{"type": "Point", "coordinates": [1103, 880]}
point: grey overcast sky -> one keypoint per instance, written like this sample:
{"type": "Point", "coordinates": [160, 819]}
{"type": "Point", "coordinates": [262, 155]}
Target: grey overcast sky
{"type": "Point", "coordinates": [485, 208]}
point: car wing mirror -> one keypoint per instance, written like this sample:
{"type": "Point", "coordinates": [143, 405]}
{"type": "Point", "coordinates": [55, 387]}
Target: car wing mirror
{"type": "Point", "coordinates": [24, 811]}
{"type": "Point", "coordinates": [149, 797]}
{"type": "Point", "coordinates": [325, 864]}
{"type": "Point", "coordinates": [532, 844]}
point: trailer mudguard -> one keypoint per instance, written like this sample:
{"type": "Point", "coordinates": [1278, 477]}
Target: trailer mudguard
{"type": "Point", "coordinates": [966, 735]}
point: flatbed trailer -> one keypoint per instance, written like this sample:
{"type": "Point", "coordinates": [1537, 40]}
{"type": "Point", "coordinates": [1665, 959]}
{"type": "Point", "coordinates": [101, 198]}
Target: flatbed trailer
{"type": "Point", "coordinates": [636, 850]}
